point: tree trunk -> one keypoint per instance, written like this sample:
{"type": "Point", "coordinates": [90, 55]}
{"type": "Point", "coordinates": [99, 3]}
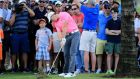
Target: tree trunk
{"type": "Point", "coordinates": [128, 62]}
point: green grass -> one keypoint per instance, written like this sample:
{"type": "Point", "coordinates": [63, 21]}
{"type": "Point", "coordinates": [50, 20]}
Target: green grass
{"type": "Point", "coordinates": [138, 9]}
{"type": "Point", "coordinates": [31, 76]}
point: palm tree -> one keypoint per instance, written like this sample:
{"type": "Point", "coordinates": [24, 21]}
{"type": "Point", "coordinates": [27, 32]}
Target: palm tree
{"type": "Point", "coordinates": [127, 64]}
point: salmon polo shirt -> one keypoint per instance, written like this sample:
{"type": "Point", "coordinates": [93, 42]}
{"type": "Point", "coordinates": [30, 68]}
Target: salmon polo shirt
{"type": "Point", "coordinates": [65, 17]}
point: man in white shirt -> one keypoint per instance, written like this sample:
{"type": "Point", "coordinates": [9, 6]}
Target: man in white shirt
{"type": "Point", "coordinates": [6, 42]}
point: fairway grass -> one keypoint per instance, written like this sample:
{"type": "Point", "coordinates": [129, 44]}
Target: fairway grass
{"type": "Point", "coordinates": [32, 76]}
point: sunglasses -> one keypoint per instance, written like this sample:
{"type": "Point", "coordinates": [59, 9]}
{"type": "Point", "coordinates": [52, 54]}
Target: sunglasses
{"type": "Point", "coordinates": [1, 1]}
{"type": "Point", "coordinates": [107, 7]}
{"type": "Point", "coordinates": [58, 5]}
{"type": "Point", "coordinates": [74, 9]}
{"type": "Point", "coordinates": [42, 1]}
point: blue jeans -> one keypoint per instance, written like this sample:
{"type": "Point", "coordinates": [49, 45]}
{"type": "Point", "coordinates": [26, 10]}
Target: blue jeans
{"type": "Point", "coordinates": [79, 59]}
{"type": "Point", "coordinates": [70, 50]}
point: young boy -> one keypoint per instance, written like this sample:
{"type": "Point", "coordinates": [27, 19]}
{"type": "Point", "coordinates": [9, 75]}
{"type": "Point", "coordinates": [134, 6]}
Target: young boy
{"type": "Point", "coordinates": [43, 44]}
{"type": "Point", "coordinates": [1, 37]}
{"type": "Point", "coordinates": [113, 31]}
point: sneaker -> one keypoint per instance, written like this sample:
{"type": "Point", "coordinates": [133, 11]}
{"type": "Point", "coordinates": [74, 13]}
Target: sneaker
{"type": "Point", "coordinates": [9, 67]}
{"type": "Point", "coordinates": [85, 71]}
{"type": "Point", "coordinates": [62, 74]}
{"type": "Point", "coordinates": [92, 72]}
{"type": "Point", "coordinates": [44, 70]}
{"type": "Point", "coordinates": [54, 71]}
{"type": "Point", "coordinates": [35, 73]}
{"type": "Point", "coordinates": [1, 73]}
{"type": "Point", "coordinates": [98, 71]}
{"type": "Point", "coordinates": [69, 75]}
{"type": "Point", "coordinates": [77, 71]}
{"type": "Point", "coordinates": [109, 72]}
{"type": "Point", "coordinates": [13, 70]}
{"type": "Point", "coordinates": [26, 70]}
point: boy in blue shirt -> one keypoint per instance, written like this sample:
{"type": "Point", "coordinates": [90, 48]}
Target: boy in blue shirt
{"type": "Point", "coordinates": [43, 44]}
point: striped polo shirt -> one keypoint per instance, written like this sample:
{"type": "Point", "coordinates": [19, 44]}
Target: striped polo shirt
{"type": "Point", "coordinates": [21, 22]}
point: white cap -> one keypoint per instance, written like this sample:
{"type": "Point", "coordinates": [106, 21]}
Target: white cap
{"type": "Point", "coordinates": [84, 1]}
{"type": "Point", "coordinates": [105, 0]}
{"type": "Point", "coordinates": [88, 1]}
{"type": "Point", "coordinates": [58, 2]}
{"type": "Point", "coordinates": [20, 1]}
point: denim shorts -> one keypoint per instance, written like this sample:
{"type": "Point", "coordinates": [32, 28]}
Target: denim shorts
{"type": "Point", "coordinates": [19, 43]}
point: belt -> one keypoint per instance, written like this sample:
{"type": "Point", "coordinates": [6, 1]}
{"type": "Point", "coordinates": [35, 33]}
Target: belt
{"type": "Point", "coordinates": [89, 30]}
{"type": "Point", "coordinates": [72, 32]}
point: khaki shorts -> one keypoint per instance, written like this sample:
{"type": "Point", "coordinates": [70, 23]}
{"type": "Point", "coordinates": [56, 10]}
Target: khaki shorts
{"type": "Point", "coordinates": [88, 41]}
{"type": "Point", "coordinates": [100, 46]}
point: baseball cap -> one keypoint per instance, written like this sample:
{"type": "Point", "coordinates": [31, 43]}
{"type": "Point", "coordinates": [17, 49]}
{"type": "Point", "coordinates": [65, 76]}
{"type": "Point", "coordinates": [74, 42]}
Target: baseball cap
{"type": "Point", "coordinates": [67, 7]}
{"type": "Point", "coordinates": [50, 15]}
{"type": "Point", "coordinates": [22, 1]}
{"type": "Point", "coordinates": [42, 20]}
{"type": "Point", "coordinates": [107, 6]}
{"type": "Point", "coordinates": [84, 1]}
{"type": "Point", "coordinates": [58, 3]}
{"type": "Point", "coordinates": [105, 0]}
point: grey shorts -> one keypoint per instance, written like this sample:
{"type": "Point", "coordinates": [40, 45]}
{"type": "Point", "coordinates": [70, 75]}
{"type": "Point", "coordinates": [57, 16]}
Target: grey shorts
{"type": "Point", "coordinates": [56, 42]}
{"type": "Point", "coordinates": [88, 41]}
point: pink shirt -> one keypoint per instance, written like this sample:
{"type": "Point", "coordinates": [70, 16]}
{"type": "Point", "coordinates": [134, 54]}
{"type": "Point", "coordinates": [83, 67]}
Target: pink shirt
{"type": "Point", "coordinates": [65, 17]}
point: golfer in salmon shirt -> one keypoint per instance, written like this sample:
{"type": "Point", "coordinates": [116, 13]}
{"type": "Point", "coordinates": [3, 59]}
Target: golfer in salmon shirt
{"type": "Point", "coordinates": [69, 36]}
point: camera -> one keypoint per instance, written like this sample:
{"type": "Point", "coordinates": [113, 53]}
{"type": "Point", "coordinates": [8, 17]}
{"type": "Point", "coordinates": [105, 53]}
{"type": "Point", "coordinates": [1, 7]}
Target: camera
{"type": "Point", "coordinates": [18, 8]}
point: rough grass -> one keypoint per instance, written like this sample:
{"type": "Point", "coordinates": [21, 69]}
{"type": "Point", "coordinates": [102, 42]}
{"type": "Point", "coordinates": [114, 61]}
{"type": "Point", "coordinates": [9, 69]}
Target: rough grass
{"type": "Point", "coordinates": [32, 76]}
{"type": "Point", "coordinates": [138, 9]}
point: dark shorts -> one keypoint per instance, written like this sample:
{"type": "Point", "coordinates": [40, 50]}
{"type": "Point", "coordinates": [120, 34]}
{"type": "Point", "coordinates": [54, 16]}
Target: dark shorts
{"type": "Point", "coordinates": [112, 47]}
{"type": "Point", "coordinates": [19, 43]}
{"type": "Point", "coordinates": [6, 41]}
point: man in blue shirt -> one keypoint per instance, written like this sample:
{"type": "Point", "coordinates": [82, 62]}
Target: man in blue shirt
{"type": "Point", "coordinates": [88, 37]}
{"type": "Point", "coordinates": [101, 36]}
{"type": "Point", "coordinates": [19, 37]}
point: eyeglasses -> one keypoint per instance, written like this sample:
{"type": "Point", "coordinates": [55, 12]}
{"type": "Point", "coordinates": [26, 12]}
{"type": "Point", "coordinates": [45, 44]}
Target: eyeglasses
{"type": "Point", "coordinates": [42, 1]}
{"type": "Point", "coordinates": [49, 8]}
{"type": "Point", "coordinates": [74, 9]}
{"type": "Point", "coordinates": [6, 2]}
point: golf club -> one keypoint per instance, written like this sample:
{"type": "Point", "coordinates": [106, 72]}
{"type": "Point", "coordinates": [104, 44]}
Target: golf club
{"type": "Point", "coordinates": [55, 60]}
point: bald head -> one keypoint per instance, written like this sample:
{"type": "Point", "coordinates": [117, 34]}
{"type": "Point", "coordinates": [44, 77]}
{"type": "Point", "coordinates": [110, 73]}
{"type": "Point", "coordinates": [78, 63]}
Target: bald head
{"type": "Point", "coordinates": [91, 1]}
